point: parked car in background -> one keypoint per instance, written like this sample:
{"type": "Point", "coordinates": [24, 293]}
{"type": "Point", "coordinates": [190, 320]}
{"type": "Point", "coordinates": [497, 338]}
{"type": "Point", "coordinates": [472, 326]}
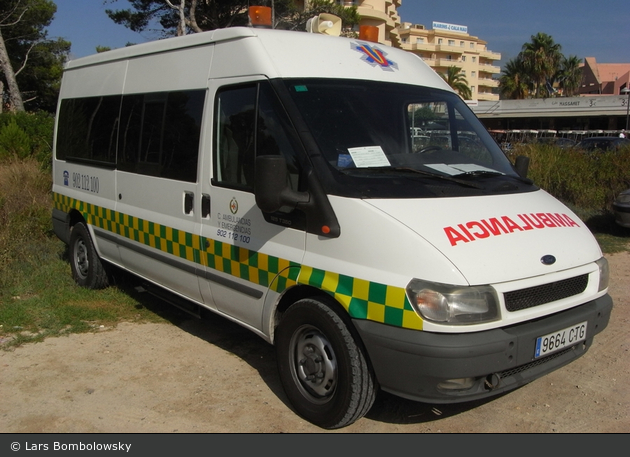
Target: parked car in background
{"type": "Point", "coordinates": [602, 143]}
{"type": "Point", "coordinates": [621, 208]}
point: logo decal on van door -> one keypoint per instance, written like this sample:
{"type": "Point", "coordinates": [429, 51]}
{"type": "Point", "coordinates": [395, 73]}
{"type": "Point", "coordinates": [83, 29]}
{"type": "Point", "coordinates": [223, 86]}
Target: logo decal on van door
{"type": "Point", "coordinates": [234, 206]}
{"type": "Point", "coordinates": [375, 57]}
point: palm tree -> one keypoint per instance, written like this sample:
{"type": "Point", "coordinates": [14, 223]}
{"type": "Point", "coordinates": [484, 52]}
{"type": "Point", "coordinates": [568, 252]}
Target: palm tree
{"type": "Point", "coordinates": [541, 58]}
{"type": "Point", "coordinates": [570, 75]}
{"type": "Point", "coordinates": [514, 83]}
{"type": "Point", "coordinates": [457, 81]}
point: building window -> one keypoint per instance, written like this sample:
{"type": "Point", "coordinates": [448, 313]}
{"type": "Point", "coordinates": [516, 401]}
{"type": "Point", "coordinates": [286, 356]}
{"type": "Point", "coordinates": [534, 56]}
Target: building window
{"type": "Point", "coordinates": [472, 45]}
{"type": "Point", "coordinates": [474, 59]}
{"type": "Point", "coordinates": [461, 43]}
{"type": "Point", "coordinates": [451, 42]}
{"type": "Point", "coordinates": [463, 58]}
{"type": "Point", "coordinates": [473, 74]}
{"type": "Point", "coordinates": [440, 40]}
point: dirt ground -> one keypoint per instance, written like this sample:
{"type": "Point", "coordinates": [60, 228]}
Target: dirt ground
{"type": "Point", "coordinates": [212, 376]}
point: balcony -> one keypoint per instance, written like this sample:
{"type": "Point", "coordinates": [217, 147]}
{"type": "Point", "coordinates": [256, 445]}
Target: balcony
{"type": "Point", "coordinates": [450, 49]}
{"type": "Point", "coordinates": [427, 47]}
{"type": "Point", "coordinates": [489, 68]}
{"type": "Point", "coordinates": [487, 82]}
{"type": "Point", "coordinates": [490, 55]}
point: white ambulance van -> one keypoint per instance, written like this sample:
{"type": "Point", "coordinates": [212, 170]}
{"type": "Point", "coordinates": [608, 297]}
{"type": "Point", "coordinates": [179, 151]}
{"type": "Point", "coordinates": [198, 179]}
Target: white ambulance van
{"type": "Point", "coordinates": [335, 197]}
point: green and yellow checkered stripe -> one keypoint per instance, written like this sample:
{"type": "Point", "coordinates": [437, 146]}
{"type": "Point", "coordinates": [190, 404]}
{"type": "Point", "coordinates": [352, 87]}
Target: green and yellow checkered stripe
{"type": "Point", "coordinates": [362, 299]}
{"type": "Point", "coordinates": [365, 299]}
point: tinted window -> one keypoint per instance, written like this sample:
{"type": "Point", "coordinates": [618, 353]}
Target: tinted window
{"type": "Point", "coordinates": [87, 129]}
{"type": "Point", "coordinates": [160, 134]}
{"type": "Point", "coordinates": [249, 121]}
{"type": "Point", "coordinates": [156, 134]}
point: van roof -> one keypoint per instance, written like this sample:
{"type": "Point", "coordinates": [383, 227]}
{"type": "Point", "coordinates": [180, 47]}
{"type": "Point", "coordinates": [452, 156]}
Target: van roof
{"type": "Point", "coordinates": [286, 54]}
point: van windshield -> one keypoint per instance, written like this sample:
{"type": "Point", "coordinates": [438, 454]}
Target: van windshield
{"type": "Point", "coordinates": [376, 135]}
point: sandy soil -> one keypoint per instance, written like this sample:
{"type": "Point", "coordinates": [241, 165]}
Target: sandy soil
{"type": "Point", "coordinates": [212, 376]}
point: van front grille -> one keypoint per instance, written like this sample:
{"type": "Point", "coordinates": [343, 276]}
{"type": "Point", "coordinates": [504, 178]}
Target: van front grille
{"type": "Point", "coordinates": [539, 295]}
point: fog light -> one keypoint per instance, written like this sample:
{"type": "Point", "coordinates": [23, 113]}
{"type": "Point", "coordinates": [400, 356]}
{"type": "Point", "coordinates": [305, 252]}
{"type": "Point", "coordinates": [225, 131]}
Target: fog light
{"type": "Point", "coordinates": [456, 384]}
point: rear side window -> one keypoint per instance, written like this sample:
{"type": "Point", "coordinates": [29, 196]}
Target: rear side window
{"type": "Point", "coordinates": [155, 134]}
{"type": "Point", "coordinates": [160, 133]}
{"type": "Point", "coordinates": [88, 128]}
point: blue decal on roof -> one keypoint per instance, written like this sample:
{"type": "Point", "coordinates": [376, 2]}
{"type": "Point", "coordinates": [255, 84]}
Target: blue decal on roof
{"type": "Point", "coordinates": [374, 56]}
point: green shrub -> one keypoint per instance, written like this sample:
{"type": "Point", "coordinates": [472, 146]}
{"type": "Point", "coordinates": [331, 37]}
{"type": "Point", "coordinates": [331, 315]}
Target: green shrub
{"type": "Point", "coordinates": [14, 142]}
{"type": "Point", "coordinates": [27, 135]}
{"type": "Point", "coordinates": [589, 181]}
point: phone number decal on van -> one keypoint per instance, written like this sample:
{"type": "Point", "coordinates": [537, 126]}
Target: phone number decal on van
{"type": "Point", "coordinates": [495, 226]}
{"type": "Point", "coordinates": [85, 182]}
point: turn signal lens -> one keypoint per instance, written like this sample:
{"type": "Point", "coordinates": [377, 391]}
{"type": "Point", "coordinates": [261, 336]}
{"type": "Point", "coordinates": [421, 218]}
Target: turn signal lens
{"type": "Point", "coordinates": [604, 274]}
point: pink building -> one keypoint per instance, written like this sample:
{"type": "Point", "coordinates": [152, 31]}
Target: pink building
{"type": "Point", "coordinates": [604, 78]}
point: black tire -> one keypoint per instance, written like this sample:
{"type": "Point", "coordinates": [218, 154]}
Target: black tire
{"type": "Point", "coordinates": [87, 269]}
{"type": "Point", "coordinates": [324, 372]}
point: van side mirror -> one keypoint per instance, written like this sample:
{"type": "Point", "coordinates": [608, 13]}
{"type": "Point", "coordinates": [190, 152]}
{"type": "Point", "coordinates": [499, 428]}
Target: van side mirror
{"type": "Point", "coordinates": [522, 165]}
{"type": "Point", "coordinates": [272, 193]}
{"type": "Point", "coordinates": [271, 190]}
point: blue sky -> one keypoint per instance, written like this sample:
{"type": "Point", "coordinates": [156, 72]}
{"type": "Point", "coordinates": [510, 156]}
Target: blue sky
{"type": "Point", "coordinates": [583, 28]}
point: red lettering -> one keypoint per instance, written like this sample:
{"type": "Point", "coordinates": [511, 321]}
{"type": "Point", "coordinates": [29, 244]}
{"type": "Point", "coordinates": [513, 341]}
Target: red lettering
{"type": "Point", "coordinates": [494, 226]}
{"type": "Point", "coordinates": [544, 217]}
{"type": "Point", "coordinates": [557, 219]}
{"type": "Point", "coordinates": [483, 231]}
{"type": "Point", "coordinates": [510, 224]}
{"type": "Point", "coordinates": [525, 219]}
{"type": "Point", "coordinates": [466, 232]}
{"type": "Point", "coordinates": [536, 222]}
{"type": "Point", "coordinates": [570, 221]}
{"type": "Point", "coordinates": [454, 236]}
{"type": "Point", "coordinates": [475, 230]}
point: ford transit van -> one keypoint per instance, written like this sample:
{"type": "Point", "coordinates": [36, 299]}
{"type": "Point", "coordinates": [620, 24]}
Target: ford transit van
{"type": "Point", "coordinates": [335, 197]}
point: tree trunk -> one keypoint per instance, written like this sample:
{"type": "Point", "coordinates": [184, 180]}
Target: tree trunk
{"type": "Point", "coordinates": [15, 97]}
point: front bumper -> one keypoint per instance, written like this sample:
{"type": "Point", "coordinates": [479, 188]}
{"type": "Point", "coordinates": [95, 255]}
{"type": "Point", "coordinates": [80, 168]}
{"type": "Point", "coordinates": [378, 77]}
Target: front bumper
{"type": "Point", "coordinates": [412, 364]}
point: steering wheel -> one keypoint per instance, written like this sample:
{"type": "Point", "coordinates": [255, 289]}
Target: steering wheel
{"type": "Point", "coordinates": [428, 149]}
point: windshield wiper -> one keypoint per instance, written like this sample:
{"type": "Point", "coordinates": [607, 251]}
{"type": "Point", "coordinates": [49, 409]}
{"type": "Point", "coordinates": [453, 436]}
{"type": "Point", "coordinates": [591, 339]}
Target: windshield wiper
{"type": "Point", "coordinates": [355, 171]}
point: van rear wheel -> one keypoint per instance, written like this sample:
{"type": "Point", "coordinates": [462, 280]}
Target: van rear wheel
{"type": "Point", "coordinates": [323, 370]}
{"type": "Point", "coordinates": [87, 268]}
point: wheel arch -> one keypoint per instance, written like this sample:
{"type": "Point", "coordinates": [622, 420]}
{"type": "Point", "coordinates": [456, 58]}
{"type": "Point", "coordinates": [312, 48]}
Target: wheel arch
{"type": "Point", "coordinates": [296, 293]}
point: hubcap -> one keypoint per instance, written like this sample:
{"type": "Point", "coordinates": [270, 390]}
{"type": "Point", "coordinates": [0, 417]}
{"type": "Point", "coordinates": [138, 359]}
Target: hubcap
{"type": "Point", "coordinates": [81, 260]}
{"type": "Point", "coordinates": [313, 362]}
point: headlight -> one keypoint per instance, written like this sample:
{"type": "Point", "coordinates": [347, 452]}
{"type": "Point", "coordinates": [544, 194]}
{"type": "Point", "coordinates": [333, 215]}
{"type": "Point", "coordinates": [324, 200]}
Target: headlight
{"type": "Point", "coordinates": [604, 273]}
{"type": "Point", "coordinates": [454, 305]}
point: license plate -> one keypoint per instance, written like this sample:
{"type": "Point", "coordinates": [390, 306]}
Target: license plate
{"type": "Point", "coordinates": [560, 339]}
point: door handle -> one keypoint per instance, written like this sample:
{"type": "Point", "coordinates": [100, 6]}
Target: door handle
{"type": "Point", "coordinates": [189, 199]}
{"type": "Point", "coordinates": [205, 206]}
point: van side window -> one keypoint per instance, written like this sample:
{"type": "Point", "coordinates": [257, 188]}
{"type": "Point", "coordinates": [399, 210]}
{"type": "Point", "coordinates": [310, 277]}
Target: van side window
{"type": "Point", "coordinates": [87, 129]}
{"type": "Point", "coordinates": [153, 134]}
{"type": "Point", "coordinates": [160, 132]}
{"type": "Point", "coordinates": [249, 121]}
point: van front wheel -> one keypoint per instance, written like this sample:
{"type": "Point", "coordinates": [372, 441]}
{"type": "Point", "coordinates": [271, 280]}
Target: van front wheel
{"type": "Point", "coordinates": [87, 268]}
{"type": "Point", "coordinates": [323, 370]}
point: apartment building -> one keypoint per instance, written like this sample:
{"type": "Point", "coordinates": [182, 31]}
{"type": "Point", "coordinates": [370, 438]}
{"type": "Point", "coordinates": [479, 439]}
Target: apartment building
{"type": "Point", "coordinates": [445, 45]}
{"type": "Point", "coordinates": [441, 46]}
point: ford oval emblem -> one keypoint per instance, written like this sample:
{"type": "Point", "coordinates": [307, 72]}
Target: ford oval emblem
{"type": "Point", "coordinates": [548, 260]}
